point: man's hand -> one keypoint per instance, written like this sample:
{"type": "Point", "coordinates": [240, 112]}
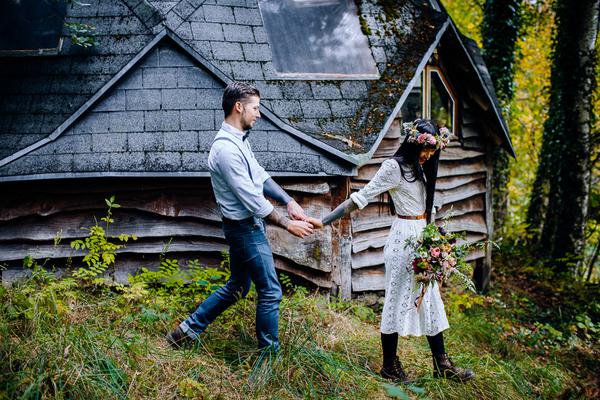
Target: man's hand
{"type": "Point", "coordinates": [295, 211]}
{"type": "Point", "coordinates": [299, 228]}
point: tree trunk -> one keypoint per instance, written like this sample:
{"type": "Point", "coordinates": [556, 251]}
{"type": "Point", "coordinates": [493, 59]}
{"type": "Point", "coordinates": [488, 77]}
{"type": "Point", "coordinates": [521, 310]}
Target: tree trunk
{"type": "Point", "coordinates": [500, 30]}
{"type": "Point", "coordinates": [567, 133]}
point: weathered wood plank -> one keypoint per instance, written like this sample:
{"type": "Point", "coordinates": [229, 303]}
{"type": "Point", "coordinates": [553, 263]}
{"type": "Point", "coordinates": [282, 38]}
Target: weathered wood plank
{"type": "Point", "coordinates": [371, 239]}
{"type": "Point", "coordinates": [460, 193]}
{"type": "Point", "coordinates": [368, 279]}
{"type": "Point", "coordinates": [464, 167]}
{"type": "Point", "coordinates": [451, 182]}
{"type": "Point", "coordinates": [387, 147]}
{"type": "Point", "coordinates": [11, 251]}
{"type": "Point", "coordinates": [472, 222]}
{"type": "Point", "coordinates": [474, 143]}
{"type": "Point", "coordinates": [317, 187]}
{"type": "Point", "coordinates": [313, 251]}
{"type": "Point", "coordinates": [320, 280]}
{"type": "Point", "coordinates": [446, 168]}
{"type": "Point", "coordinates": [475, 255]}
{"type": "Point", "coordinates": [366, 219]}
{"type": "Point", "coordinates": [190, 203]}
{"type": "Point", "coordinates": [458, 153]}
{"type": "Point", "coordinates": [395, 131]}
{"type": "Point", "coordinates": [472, 204]}
{"type": "Point", "coordinates": [367, 172]}
{"type": "Point", "coordinates": [184, 200]}
{"type": "Point", "coordinates": [71, 226]}
{"type": "Point", "coordinates": [368, 258]}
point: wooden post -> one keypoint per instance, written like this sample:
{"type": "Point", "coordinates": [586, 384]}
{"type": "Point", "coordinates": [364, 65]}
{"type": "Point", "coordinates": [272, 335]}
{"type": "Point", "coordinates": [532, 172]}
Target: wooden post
{"type": "Point", "coordinates": [483, 267]}
{"type": "Point", "coordinates": [341, 274]}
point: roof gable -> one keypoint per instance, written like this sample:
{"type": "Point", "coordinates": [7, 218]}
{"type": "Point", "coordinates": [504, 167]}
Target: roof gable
{"type": "Point", "coordinates": [158, 117]}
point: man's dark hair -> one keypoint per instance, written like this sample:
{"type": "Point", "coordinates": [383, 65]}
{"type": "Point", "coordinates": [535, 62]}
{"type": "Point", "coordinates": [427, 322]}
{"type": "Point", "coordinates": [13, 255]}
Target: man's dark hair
{"type": "Point", "coordinates": [237, 91]}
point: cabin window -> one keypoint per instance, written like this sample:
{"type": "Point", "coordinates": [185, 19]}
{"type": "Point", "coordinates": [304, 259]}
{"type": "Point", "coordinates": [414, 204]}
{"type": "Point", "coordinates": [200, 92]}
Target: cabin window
{"type": "Point", "coordinates": [317, 39]}
{"type": "Point", "coordinates": [441, 103]}
{"type": "Point", "coordinates": [431, 98]}
{"type": "Point", "coordinates": [31, 27]}
{"type": "Point", "coordinates": [413, 105]}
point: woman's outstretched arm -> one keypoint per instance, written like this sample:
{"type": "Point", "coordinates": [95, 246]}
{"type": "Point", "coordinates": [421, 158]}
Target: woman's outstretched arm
{"type": "Point", "coordinates": [341, 210]}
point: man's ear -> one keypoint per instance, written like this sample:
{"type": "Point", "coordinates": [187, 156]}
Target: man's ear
{"type": "Point", "coordinates": [238, 106]}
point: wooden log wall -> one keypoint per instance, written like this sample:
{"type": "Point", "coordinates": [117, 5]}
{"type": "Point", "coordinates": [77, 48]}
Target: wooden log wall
{"type": "Point", "coordinates": [180, 216]}
{"type": "Point", "coordinates": [461, 191]}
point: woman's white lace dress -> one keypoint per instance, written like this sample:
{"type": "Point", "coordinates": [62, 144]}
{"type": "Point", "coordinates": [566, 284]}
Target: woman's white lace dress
{"type": "Point", "coordinates": [399, 311]}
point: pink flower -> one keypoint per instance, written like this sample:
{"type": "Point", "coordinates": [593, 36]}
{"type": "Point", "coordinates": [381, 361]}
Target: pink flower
{"type": "Point", "coordinates": [422, 137]}
{"type": "Point", "coordinates": [431, 140]}
{"type": "Point", "coordinates": [435, 252]}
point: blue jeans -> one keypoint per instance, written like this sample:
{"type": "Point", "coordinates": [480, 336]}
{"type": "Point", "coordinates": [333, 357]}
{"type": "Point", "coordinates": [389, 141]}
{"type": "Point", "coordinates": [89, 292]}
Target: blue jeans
{"type": "Point", "coordinates": [250, 260]}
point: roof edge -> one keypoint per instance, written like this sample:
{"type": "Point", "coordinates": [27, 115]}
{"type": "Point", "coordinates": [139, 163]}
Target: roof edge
{"type": "Point", "coordinates": [367, 156]}
{"type": "Point", "coordinates": [108, 175]}
{"type": "Point", "coordinates": [497, 112]}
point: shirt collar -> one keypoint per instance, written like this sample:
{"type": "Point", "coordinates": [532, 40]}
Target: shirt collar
{"type": "Point", "coordinates": [231, 129]}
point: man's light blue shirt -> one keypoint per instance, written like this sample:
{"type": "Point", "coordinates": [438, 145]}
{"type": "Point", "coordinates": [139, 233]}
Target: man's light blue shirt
{"type": "Point", "coordinates": [239, 193]}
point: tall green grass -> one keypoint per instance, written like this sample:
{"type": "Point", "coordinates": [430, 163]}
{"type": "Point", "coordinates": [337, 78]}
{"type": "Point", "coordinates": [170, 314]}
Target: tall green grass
{"type": "Point", "coordinates": [62, 341]}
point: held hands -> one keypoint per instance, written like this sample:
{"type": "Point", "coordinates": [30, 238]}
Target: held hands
{"type": "Point", "coordinates": [297, 213]}
{"type": "Point", "coordinates": [300, 224]}
{"type": "Point", "coordinates": [317, 223]}
{"type": "Point", "coordinates": [299, 228]}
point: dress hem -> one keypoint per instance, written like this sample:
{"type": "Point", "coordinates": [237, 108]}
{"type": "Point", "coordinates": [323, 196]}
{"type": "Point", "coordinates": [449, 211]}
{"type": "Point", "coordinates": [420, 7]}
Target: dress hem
{"type": "Point", "coordinates": [413, 334]}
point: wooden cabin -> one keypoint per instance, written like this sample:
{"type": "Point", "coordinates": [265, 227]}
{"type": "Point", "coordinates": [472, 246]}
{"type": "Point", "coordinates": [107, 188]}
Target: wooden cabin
{"type": "Point", "coordinates": [135, 114]}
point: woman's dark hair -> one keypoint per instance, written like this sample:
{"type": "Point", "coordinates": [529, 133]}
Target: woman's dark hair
{"type": "Point", "coordinates": [237, 91]}
{"type": "Point", "coordinates": [407, 158]}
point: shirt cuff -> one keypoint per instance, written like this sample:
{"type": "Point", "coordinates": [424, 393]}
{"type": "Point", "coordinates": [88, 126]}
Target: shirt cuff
{"type": "Point", "coordinates": [265, 210]}
{"type": "Point", "coordinates": [359, 200]}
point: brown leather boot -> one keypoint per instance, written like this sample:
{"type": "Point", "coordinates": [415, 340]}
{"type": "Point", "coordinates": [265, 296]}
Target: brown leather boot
{"type": "Point", "coordinates": [395, 372]}
{"type": "Point", "coordinates": [444, 367]}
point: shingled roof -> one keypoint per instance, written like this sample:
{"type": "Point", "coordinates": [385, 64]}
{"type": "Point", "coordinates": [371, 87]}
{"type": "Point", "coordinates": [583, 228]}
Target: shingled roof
{"type": "Point", "coordinates": [332, 125]}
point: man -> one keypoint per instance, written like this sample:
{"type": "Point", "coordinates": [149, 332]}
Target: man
{"type": "Point", "coordinates": [239, 184]}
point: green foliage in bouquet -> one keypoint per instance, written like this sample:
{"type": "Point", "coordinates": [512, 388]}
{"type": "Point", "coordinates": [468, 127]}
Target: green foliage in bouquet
{"type": "Point", "coordinates": [439, 255]}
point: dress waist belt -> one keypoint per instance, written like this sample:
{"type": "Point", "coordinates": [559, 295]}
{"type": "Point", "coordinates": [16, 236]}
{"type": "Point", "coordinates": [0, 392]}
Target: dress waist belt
{"type": "Point", "coordinates": [422, 216]}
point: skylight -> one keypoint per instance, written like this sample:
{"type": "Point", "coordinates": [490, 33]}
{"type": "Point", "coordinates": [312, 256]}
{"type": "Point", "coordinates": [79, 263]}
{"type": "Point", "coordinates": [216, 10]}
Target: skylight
{"type": "Point", "coordinates": [317, 39]}
{"type": "Point", "coordinates": [31, 27]}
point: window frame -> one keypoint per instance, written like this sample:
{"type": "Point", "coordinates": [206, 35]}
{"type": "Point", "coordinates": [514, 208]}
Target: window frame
{"type": "Point", "coordinates": [42, 51]}
{"type": "Point", "coordinates": [322, 76]}
{"type": "Point", "coordinates": [427, 94]}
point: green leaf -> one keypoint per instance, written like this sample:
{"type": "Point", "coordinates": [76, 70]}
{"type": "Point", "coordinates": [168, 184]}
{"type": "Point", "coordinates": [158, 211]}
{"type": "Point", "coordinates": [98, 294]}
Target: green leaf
{"type": "Point", "coordinates": [416, 389]}
{"type": "Point", "coordinates": [395, 392]}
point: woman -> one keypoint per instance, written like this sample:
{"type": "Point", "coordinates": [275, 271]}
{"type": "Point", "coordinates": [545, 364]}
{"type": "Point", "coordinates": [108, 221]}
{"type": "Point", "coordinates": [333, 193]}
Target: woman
{"type": "Point", "coordinates": [409, 177]}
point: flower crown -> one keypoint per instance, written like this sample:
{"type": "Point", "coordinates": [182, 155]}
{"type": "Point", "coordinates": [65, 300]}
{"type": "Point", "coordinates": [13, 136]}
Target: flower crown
{"type": "Point", "coordinates": [426, 139]}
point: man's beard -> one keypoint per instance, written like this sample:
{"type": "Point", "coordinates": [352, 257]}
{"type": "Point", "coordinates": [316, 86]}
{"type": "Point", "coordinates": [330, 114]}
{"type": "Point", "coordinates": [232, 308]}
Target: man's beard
{"type": "Point", "coordinates": [246, 125]}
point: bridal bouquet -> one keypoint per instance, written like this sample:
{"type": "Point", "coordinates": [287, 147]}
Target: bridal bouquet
{"type": "Point", "coordinates": [437, 257]}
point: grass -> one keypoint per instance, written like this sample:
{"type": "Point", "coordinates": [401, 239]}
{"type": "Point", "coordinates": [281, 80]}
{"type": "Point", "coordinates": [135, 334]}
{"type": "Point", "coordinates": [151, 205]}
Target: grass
{"type": "Point", "coordinates": [62, 341]}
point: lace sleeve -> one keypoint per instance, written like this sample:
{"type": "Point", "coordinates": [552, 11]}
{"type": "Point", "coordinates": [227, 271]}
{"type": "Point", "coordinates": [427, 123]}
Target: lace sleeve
{"type": "Point", "coordinates": [386, 178]}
